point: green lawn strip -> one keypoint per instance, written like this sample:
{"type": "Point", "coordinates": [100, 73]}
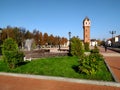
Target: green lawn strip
{"type": "Point", "coordinates": [57, 66]}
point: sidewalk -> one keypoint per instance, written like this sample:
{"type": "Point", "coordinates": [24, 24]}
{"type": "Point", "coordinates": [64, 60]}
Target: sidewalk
{"type": "Point", "coordinates": [27, 83]}
{"type": "Point", "coordinates": [35, 82]}
{"type": "Point", "coordinates": [112, 59]}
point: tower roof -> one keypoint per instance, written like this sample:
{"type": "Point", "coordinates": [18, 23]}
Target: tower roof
{"type": "Point", "coordinates": [86, 18]}
{"type": "Point", "coordinates": [86, 21]}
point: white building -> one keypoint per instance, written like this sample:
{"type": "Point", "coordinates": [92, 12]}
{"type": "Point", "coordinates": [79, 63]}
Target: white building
{"type": "Point", "coordinates": [115, 41]}
{"type": "Point", "coordinates": [93, 42]}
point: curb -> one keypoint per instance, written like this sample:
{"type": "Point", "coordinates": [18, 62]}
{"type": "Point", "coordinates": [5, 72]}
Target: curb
{"type": "Point", "coordinates": [81, 81]}
{"type": "Point", "coordinates": [114, 77]}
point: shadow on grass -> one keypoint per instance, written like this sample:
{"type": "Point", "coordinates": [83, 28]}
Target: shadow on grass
{"type": "Point", "coordinates": [75, 67]}
{"type": "Point", "coordinates": [23, 63]}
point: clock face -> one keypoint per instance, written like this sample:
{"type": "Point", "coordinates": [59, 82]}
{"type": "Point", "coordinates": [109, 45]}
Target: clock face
{"type": "Point", "coordinates": [86, 23]}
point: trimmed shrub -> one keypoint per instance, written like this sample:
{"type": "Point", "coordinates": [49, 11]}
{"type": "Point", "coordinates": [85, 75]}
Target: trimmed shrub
{"type": "Point", "coordinates": [89, 64]}
{"type": "Point", "coordinates": [11, 54]}
{"type": "Point", "coordinates": [12, 58]}
{"type": "Point", "coordinates": [76, 47]}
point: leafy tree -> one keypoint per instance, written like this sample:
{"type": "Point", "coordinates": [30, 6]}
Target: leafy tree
{"type": "Point", "coordinates": [55, 41]}
{"type": "Point", "coordinates": [63, 40]}
{"type": "Point", "coordinates": [41, 38]}
{"type": "Point", "coordinates": [11, 54]}
{"type": "Point", "coordinates": [51, 40]}
{"type": "Point", "coordinates": [21, 34]}
{"type": "Point", "coordinates": [17, 35]}
{"type": "Point", "coordinates": [76, 47]}
{"type": "Point", "coordinates": [36, 36]}
{"type": "Point", "coordinates": [28, 35]}
{"type": "Point", "coordinates": [45, 38]}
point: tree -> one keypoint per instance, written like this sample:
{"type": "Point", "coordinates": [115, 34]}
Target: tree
{"type": "Point", "coordinates": [45, 38]}
{"type": "Point", "coordinates": [63, 40]}
{"type": "Point", "coordinates": [41, 38]}
{"type": "Point", "coordinates": [76, 47]}
{"type": "Point", "coordinates": [55, 41]}
{"type": "Point", "coordinates": [22, 34]}
{"type": "Point", "coordinates": [28, 35]}
{"type": "Point", "coordinates": [11, 54]}
{"type": "Point", "coordinates": [51, 40]}
{"type": "Point", "coordinates": [17, 35]}
{"type": "Point", "coordinates": [4, 34]}
{"type": "Point", "coordinates": [36, 36]}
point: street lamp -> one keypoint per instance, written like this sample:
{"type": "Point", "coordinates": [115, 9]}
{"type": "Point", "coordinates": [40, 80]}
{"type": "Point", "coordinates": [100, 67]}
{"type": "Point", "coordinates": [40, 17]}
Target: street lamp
{"type": "Point", "coordinates": [0, 33]}
{"type": "Point", "coordinates": [59, 42]}
{"type": "Point", "coordinates": [112, 33]}
{"type": "Point", "coordinates": [0, 41]}
{"type": "Point", "coordinates": [69, 33]}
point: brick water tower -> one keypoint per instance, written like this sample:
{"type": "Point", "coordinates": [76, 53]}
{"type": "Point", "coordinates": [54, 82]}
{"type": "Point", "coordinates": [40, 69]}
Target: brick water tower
{"type": "Point", "coordinates": [86, 29]}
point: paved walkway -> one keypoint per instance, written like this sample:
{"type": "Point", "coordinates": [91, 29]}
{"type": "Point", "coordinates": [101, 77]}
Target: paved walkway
{"type": "Point", "coordinates": [113, 61]}
{"type": "Point", "coordinates": [12, 82]}
{"type": "Point", "coordinates": [22, 83]}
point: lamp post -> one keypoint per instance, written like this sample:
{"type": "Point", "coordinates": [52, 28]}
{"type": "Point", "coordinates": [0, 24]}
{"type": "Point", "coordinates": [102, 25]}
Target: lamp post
{"type": "Point", "coordinates": [69, 33]}
{"type": "Point", "coordinates": [59, 42]}
{"type": "Point", "coordinates": [39, 43]}
{"type": "Point", "coordinates": [0, 34]}
{"type": "Point", "coordinates": [112, 33]}
{"type": "Point", "coordinates": [0, 41]}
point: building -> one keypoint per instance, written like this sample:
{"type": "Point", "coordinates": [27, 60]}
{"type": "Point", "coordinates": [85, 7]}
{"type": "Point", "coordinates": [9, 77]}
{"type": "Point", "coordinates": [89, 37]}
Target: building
{"type": "Point", "coordinates": [86, 30]}
{"type": "Point", "coordinates": [109, 42]}
{"type": "Point", "coordinates": [114, 42]}
{"type": "Point", "coordinates": [93, 42]}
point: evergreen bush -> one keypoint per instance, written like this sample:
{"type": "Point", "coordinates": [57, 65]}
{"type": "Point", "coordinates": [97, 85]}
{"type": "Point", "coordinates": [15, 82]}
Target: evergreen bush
{"type": "Point", "coordinates": [90, 64]}
{"type": "Point", "coordinates": [11, 54]}
{"type": "Point", "coordinates": [77, 48]}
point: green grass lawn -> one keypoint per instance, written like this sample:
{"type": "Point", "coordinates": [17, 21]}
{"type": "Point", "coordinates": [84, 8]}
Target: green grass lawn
{"type": "Point", "coordinates": [57, 66]}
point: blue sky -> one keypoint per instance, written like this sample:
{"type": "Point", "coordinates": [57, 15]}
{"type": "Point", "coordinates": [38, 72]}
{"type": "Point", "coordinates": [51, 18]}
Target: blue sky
{"type": "Point", "coordinates": [58, 17]}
